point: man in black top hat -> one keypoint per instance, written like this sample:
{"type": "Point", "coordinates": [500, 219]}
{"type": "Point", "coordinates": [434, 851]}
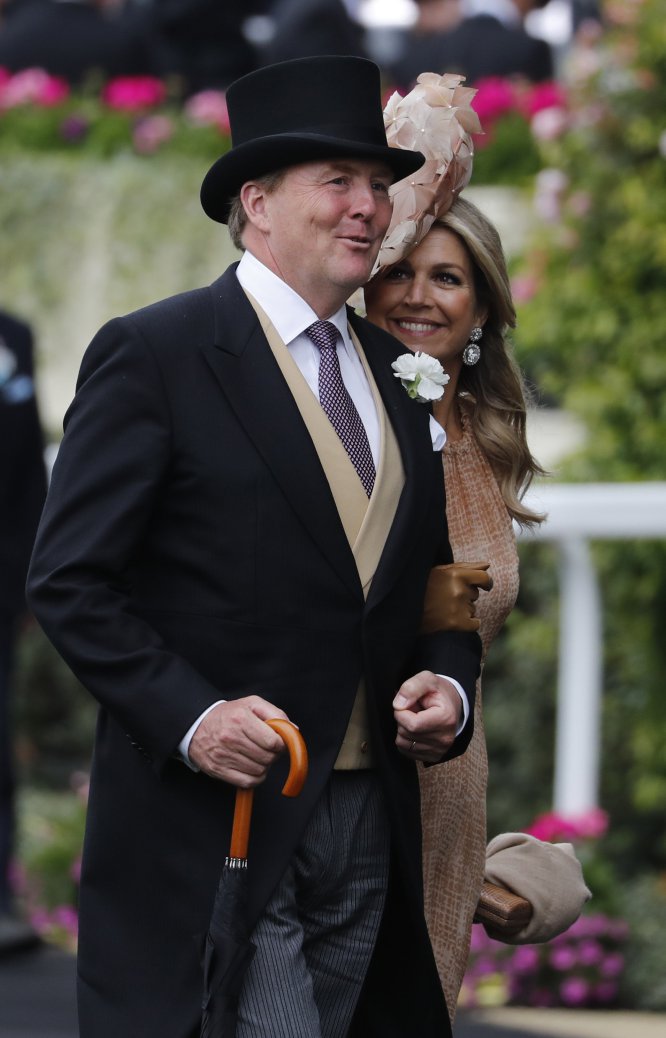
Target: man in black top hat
{"type": "Point", "coordinates": [241, 521]}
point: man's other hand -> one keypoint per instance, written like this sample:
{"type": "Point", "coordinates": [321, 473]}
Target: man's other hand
{"type": "Point", "coordinates": [427, 710]}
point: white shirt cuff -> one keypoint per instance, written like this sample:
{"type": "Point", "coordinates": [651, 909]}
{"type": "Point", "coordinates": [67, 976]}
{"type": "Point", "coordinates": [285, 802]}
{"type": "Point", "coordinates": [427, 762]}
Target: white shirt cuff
{"type": "Point", "coordinates": [184, 744]}
{"type": "Point", "coordinates": [463, 696]}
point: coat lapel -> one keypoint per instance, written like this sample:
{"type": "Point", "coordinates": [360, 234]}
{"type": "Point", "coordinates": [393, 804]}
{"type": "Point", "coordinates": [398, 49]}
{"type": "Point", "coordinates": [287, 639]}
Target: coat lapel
{"type": "Point", "coordinates": [251, 381]}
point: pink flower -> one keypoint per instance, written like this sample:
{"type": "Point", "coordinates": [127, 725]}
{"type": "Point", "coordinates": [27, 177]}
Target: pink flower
{"type": "Point", "coordinates": [542, 999]}
{"type": "Point", "coordinates": [75, 870]}
{"type": "Point", "coordinates": [605, 991]}
{"type": "Point", "coordinates": [574, 991]}
{"type": "Point", "coordinates": [494, 98]}
{"type": "Point", "coordinates": [133, 93]}
{"type": "Point", "coordinates": [590, 953]}
{"type": "Point", "coordinates": [40, 919]}
{"type": "Point", "coordinates": [483, 967]}
{"type": "Point", "coordinates": [74, 128]}
{"type": "Point", "coordinates": [524, 287]}
{"type": "Point", "coordinates": [544, 95]}
{"type": "Point", "coordinates": [551, 827]}
{"type": "Point", "coordinates": [151, 132]}
{"type": "Point", "coordinates": [592, 824]}
{"type": "Point", "coordinates": [563, 958]}
{"type": "Point", "coordinates": [612, 965]}
{"type": "Point", "coordinates": [580, 203]}
{"type": "Point", "coordinates": [480, 940]}
{"type": "Point", "coordinates": [525, 959]}
{"type": "Point", "coordinates": [66, 917]}
{"type": "Point", "coordinates": [208, 108]}
{"type": "Point", "coordinates": [33, 86]}
{"type": "Point", "coordinates": [549, 123]}
{"type": "Point", "coordinates": [550, 186]}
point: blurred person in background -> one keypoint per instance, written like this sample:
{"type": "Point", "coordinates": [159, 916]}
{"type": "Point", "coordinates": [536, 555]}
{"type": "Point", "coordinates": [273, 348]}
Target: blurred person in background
{"type": "Point", "coordinates": [74, 39]}
{"type": "Point", "coordinates": [201, 41]}
{"type": "Point", "coordinates": [303, 28]}
{"type": "Point", "coordinates": [490, 39]}
{"type": "Point", "coordinates": [22, 493]}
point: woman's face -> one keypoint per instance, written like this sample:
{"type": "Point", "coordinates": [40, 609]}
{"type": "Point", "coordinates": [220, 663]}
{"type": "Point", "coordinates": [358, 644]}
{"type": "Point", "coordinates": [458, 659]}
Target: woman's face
{"type": "Point", "coordinates": [427, 301]}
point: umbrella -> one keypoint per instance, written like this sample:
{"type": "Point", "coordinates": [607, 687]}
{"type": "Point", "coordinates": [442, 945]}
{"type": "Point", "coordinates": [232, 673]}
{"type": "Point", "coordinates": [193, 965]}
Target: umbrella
{"type": "Point", "coordinates": [228, 951]}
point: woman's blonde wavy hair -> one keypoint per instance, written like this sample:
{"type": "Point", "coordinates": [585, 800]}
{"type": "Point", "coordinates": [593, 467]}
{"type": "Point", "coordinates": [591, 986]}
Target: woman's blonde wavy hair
{"type": "Point", "coordinates": [492, 393]}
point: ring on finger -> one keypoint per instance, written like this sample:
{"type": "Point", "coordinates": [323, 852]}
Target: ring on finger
{"type": "Point", "coordinates": [411, 748]}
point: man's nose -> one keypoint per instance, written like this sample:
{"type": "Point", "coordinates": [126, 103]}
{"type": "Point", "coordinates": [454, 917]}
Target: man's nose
{"type": "Point", "coordinates": [364, 201]}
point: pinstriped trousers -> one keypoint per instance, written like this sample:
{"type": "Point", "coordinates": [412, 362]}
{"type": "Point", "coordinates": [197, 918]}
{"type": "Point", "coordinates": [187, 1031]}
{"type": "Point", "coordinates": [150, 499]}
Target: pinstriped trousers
{"type": "Point", "coordinates": [316, 936]}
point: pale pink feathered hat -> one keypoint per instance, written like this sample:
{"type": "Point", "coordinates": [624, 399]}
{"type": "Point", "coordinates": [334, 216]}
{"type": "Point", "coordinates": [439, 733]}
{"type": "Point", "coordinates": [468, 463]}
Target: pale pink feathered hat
{"type": "Point", "coordinates": [435, 118]}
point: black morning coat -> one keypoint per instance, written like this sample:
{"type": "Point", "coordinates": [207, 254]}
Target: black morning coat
{"type": "Point", "coordinates": [190, 551]}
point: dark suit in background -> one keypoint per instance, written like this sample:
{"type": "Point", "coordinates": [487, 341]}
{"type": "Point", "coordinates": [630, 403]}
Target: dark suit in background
{"type": "Point", "coordinates": [202, 41]}
{"type": "Point", "coordinates": [308, 27]}
{"type": "Point", "coordinates": [22, 491]}
{"type": "Point", "coordinates": [73, 40]}
{"type": "Point", "coordinates": [480, 46]}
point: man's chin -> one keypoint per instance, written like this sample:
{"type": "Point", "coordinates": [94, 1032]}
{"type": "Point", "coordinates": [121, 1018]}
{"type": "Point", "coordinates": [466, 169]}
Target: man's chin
{"type": "Point", "coordinates": [358, 273]}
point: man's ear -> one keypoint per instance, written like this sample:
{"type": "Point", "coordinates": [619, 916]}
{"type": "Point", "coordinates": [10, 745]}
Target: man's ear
{"type": "Point", "coordinates": [253, 198]}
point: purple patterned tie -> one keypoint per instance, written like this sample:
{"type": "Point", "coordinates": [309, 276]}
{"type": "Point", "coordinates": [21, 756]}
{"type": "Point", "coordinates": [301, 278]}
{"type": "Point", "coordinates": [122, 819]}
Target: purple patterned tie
{"type": "Point", "coordinates": [338, 404]}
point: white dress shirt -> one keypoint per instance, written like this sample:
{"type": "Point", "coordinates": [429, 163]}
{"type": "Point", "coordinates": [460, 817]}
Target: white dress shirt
{"type": "Point", "coordinates": [290, 316]}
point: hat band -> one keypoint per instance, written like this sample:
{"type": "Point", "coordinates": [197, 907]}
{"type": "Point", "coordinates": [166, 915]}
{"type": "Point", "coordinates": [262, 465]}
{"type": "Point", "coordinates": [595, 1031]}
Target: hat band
{"type": "Point", "coordinates": [365, 135]}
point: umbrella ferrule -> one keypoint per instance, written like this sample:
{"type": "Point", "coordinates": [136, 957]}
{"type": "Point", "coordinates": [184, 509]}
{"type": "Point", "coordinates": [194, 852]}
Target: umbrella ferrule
{"type": "Point", "coordinates": [235, 863]}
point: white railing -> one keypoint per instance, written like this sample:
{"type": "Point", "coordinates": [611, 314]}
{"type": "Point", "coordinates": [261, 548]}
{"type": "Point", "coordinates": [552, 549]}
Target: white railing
{"type": "Point", "coordinates": [577, 514]}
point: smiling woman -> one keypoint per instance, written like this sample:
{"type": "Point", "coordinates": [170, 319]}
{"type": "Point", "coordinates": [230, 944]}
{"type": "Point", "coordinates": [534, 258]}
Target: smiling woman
{"type": "Point", "coordinates": [429, 301]}
{"type": "Point", "coordinates": [449, 296]}
{"type": "Point", "coordinates": [437, 298]}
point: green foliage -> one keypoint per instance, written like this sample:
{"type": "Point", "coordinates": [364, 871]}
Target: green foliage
{"type": "Point", "coordinates": [643, 903]}
{"type": "Point", "coordinates": [50, 840]}
{"type": "Point", "coordinates": [54, 715]}
{"type": "Point", "coordinates": [593, 335]}
{"type": "Point", "coordinates": [519, 683]}
{"type": "Point", "coordinates": [511, 156]}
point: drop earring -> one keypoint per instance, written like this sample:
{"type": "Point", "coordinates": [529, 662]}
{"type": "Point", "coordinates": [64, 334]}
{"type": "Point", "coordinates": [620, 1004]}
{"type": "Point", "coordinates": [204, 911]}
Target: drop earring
{"type": "Point", "coordinates": [472, 350]}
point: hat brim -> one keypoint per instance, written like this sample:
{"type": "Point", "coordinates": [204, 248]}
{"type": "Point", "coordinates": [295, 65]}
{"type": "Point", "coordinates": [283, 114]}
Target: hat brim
{"type": "Point", "coordinates": [271, 154]}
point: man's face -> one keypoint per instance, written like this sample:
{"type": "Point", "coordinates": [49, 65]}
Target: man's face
{"type": "Point", "coordinates": [326, 222]}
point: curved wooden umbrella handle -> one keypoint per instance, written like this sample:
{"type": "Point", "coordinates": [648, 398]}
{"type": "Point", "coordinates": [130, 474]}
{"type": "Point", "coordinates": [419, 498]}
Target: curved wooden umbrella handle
{"type": "Point", "coordinates": [298, 770]}
{"type": "Point", "coordinates": [298, 755]}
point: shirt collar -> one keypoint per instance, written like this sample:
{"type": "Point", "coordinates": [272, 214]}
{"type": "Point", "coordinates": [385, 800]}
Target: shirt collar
{"type": "Point", "coordinates": [287, 311]}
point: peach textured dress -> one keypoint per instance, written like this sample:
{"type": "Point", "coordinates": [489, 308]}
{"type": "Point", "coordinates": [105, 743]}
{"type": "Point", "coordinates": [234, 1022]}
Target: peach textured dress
{"type": "Point", "coordinates": [453, 795]}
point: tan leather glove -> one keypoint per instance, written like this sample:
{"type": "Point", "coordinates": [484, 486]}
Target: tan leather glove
{"type": "Point", "coordinates": [451, 595]}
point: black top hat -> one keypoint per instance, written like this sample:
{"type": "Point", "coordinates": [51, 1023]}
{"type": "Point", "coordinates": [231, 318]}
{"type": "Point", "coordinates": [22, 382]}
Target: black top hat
{"type": "Point", "coordinates": [305, 110]}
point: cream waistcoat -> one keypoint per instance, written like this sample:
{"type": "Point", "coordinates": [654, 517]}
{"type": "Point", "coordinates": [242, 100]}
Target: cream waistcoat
{"type": "Point", "coordinates": [366, 522]}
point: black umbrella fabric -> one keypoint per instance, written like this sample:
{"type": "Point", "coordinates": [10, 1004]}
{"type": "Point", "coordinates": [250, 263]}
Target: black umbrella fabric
{"type": "Point", "coordinates": [228, 951]}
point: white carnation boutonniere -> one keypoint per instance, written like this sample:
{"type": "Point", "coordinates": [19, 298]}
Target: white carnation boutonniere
{"type": "Point", "coordinates": [422, 376]}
